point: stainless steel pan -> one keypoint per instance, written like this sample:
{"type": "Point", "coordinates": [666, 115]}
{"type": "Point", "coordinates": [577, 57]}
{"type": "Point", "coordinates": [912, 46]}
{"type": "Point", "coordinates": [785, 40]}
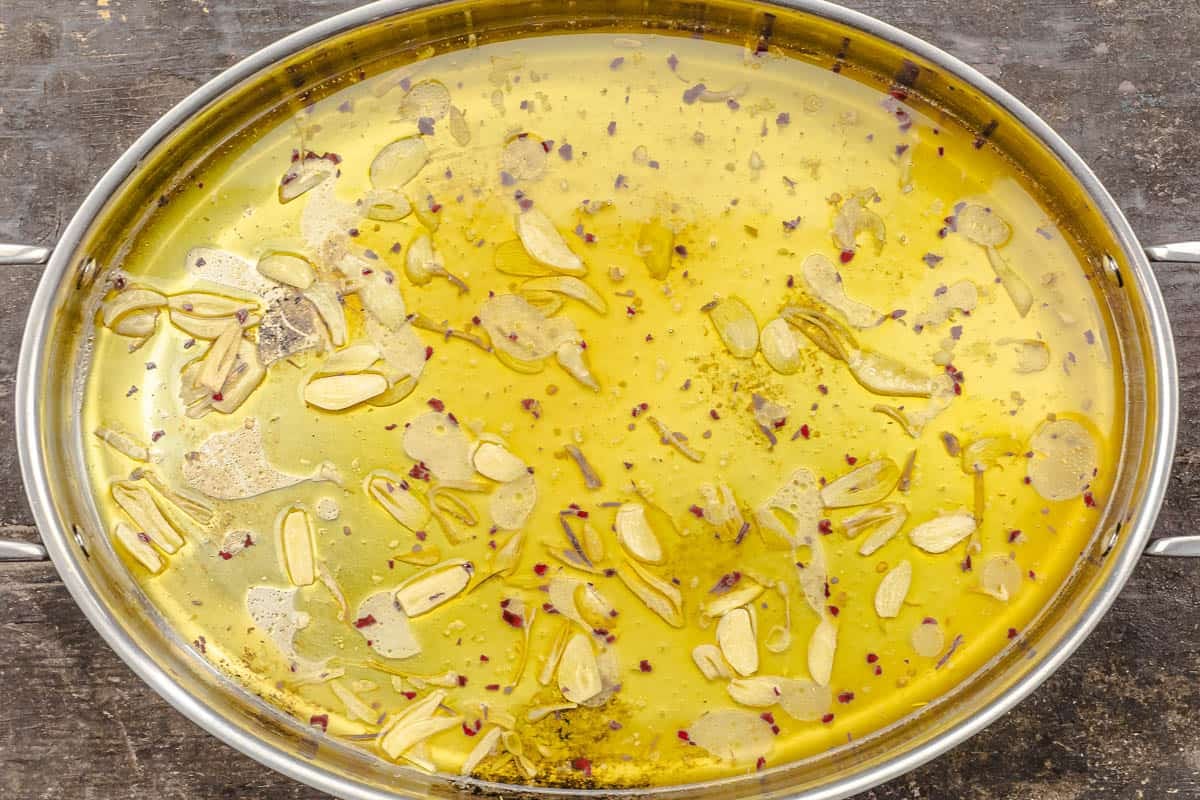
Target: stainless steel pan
{"type": "Point", "coordinates": [50, 438]}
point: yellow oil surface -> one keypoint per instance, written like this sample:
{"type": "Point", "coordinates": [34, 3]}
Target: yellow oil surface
{"type": "Point", "coordinates": [748, 173]}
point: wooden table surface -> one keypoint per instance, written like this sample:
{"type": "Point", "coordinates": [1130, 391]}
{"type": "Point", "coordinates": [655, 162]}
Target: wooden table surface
{"type": "Point", "coordinates": [1120, 79]}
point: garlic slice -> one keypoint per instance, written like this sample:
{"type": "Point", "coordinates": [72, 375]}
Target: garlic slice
{"type": "Point", "coordinates": [635, 534]}
{"type": "Point", "coordinates": [568, 286]}
{"type": "Point", "coordinates": [735, 324]}
{"type": "Point", "coordinates": [355, 358]}
{"type": "Point", "coordinates": [710, 662]}
{"type": "Point", "coordinates": [398, 163]}
{"type": "Point", "coordinates": [821, 647]}
{"type": "Point", "coordinates": [545, 244]}
{"type": "Point", "coordinates": [130, 301]}
{"type": "Point", "coordinates": [294, 530]}
{"type": "Point", "coordinates": [431, 587]}
{"type": "Point", "coordinates": [656, 242]}
{"type": "Point", "coordinates": [138, 547]}
{"type": "Point", "coordinates": [438, 441]}
{"type": "Point", "coordinates": [660, 596]}
{"type": "Point", "coordinates": [734, 735]}
{"type": "Point", "coordinates": [826, 284]}
{"type": "Point", "coordinates": [883, 521]}
{"type": "Point", "coordinates": [862, 486]}
{"type": "Point", "coordinates": [982, 226]}
{"type": "Point", "coordinates": [578, 672]}
{"type": "Point", "coordinates": [1065, 459]}
{"type": "Point", "coordinates": [512, 503]}
{"type": "Point", "coordinates": [943, 532]}
{"type": "Point", "coordinates": [339, 392]}
{"type": "Point", "coordinates": [889, 596]}
{"type": "Point", "coordinates": [737, 640]}
{"type": "Point", "coordinates": [385, 626]}
{"type": "Point", "coordinates": [137, 502]}
{"type": "Point", "coordinates": [1000, 577]}
{"type": "Point", "coordinates": [287, 268]}
{"type": "Point", "coordinates": [494, 461]}
{"type": "Point", "coordinates": [415, 724]}
{"type": "Point", "coordinates": [780, 347]}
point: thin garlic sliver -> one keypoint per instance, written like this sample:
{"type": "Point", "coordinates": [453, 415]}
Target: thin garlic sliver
{"type": "Point", "coordinates": [495, 461]}
{"type": "Point", "coordinates": [733, 735]}
{"type": "Point", "coordinates": [821, 648]}
{"type": "Point", "coordinates": [883, 521]}
{"type": "Point", "coordinates": [660, 596]}
{"type": "Point", "coordinates": [1000, 577]}
{"type": "Point", "coordinates": [578, 673]}
{"type": "Point", "coordinates": [340, 392]}
{"type": "Point", "coordinates": [138, 503]}
{"type": "Point", "coordinates": [862, 486]}
{"type": "Point", "coordinates": [710, 662]}
{"type": "Point", "coordinates": [889, 596]}
{"type": "Point", "coordinates": [780, 347]}
{"type": "Point", "coordinates": [1065, 459]}
{"type": "Point", "coordinates": [568, 286]}
{"type": "Point", "coordinates": [943, 532]}
{"type": "Point", "coordinates": [393, 494]}
{"type": "Point", "coordinates": [398, 163]}
{"type": "Point", "coordinates": [138, 547]}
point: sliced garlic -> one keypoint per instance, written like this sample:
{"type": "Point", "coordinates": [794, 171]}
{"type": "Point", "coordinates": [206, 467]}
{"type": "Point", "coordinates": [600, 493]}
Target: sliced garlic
{"type": "Point", "coordinates": [568, 286]}
{"type": "Point", "coordinates": [138, 325]}
{"type": "Point", "coordinates": [339, 392]}
{"type": "Point", "coordinates": [295, 531]}
{"type": "Point", "coordinates": [804, 700]}
{"type": "Point", "coordinates": [305, 172]}
{"type": "Point", "coordinates": [883, 521]}
{"type": "Point", "coordinates": [496, 462]}
{"type": "Point", "coordinates": [138, 547]}
{"type": "Point", "coordinates": [927, 638]}
{"type": "Point", "coordinates": [854, 218]}
{"type": "Point", "coordinates": [355, 358]}
{"type": "Point", "coordinates": [982, 226]}
{"type": "Point", "coordinates": [387, 205]}
{"type": "Point", "coordinates": [415, 724]}
{"type": "Point", "coordinates": [385, 626]}
{"type": "Point", "coordinates": [431, 587]}
{"type": "Point", "coordinates": [710, 662]}
{"type": "Point", "coordinates": [484, 748]}
{"type": "Point", "coordinates": [438, 441]}
{"type": "Point", "coordinates": [545, 244]}
{"type": "Point", "coordinates": [578, 673]}
{"type": "Point", "coordinates": [204, 304]}
{"type": "Point", "coordinates": [128, 302]}
{"type": "Point", "coordinates": [398, 163]}
{"type": "Point", "coordinates": [737, 640]}
{"type": "Point", "coordinates": [732, 735]}
{"type": "Point", "coordinates": [355, 707]}
{"type": "Point", "coordinates": [889, 596]}
{"type": "Point", "coordinates": [1033, 355]}
{"type": "Point", "coordinates": [757, 692]}
{"type": "Point", "coordinates": [635, 534]}
{"type": "Point", "coordinates": [943, 532]}
{"type": "Point", "coordinates": [124, 443]}
{"type": "Point", "coordinates": [800, 499]}
{"type": "Point", "coordinates": [826, 284]}
{"type": "Point", "coordinates": [1018, 290]}
{"type": "Point", "coordinates": [660, 596]}
{"type": "Point", "coordinates": [218, 362]}
{"type": "Point", "coordinates": [746, 592]}
{"type": "Point", "coordinates": [138, 503]}
{"type": "Point", "coordinates": [735, 324]}
{"type": "Point", "coordinates": [511, 258]}
{"type": "Point", "coordinates": [429, 98]}
{"type": "Point", "coordinates": [1065, 459]}
{"type": "Point", "coordinates": [512, 503]}
{"type": "Point", "coordinates": [287, 268]}
{"type": "Point", "coordinates": [1000, 577]}
{"type": "Point", "coordinates": [821, 647]}
{"type": "Point", "coordinates": [210, 327]}
{"type": "Point", "coordinates": [780, 347]}
{"type": "Point", "coordinates": [862, 486]}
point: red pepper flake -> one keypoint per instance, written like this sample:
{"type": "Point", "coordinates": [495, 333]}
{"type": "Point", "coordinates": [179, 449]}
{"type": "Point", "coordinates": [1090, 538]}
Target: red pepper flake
{"type": "Point", "coordinates": [762, 762]}
{"type": "Point", "coordinates": [630, 311]}
{"type": "Point", "coordinates": [419, 471]}
{"type": "Point", "coordinates": [825, 526]}
{"type": "Point", "coordinates": [834, 610]}
{"type": "Point", "coordinates": [492, 687]}
{"type": "Point", "coordinates": [224, 554]}
{"type": "Point", "coordinates": [154, 437]}
{"type": "Point", "coordinates": [409, 695]}
{"type": "Point", "coordinates": [1088, 500]}
{"type": "Point", "coordinates": [363, 622]}
{"type": "Point", "coordinates": [582, 765]}
{"type": "Point", "coordinates": [958, 388]}
{"type": "Point", "coordinates": [846, 256]}
{"type": "Point", "coordinates": [1013, 536]}
{"type": "Point", "coordinates": [549, 609]}
{"type": "Point", "coordinates": [513, 619]}
{"type": "Point", "coordinates": [697, 511]}
{"type": "Point", "coordinates": [644, 666]}
{"type": "Point", "coordinates": [845, 697]}
{"type": "Point", "coordinates": [712, 412]}
{"type": "Point", "coordinates": [484, 658]}
{"type": "Point", "coordinates": [612, 127]}
{"type": "Point", "coordinates": [1012, 633]}
{"type": "Point", "coordinates": [421, 535]}
{"type": "Point", "coordinates": [540, 569]}
{"type": "Point", "coordinates": [828, 718]}
{"type": "Point", "coordinates": [878, 670]}
{"type": "Point", "coordinates": [822, 388]}
{"type": "Point", "coordinates": [851, 460]}
{"type": "Point", "coordinates": [683, 736]}
{"type": "Point", "coordinates": [390, 427]}
{"type": "Point", "coordinates": [639, 408]}
{"type": "Point", "coordinates": [929, 621]}
{"type": "Point", "coordinates": [428, 352]}
{"type": "Point", "coordinates": [767, 717]}
{"type": "Point", "coordinates": [217, 397]}
{"type": "Point", "coordinates": [1028, 480]}
{"type": "Point", "coordinates": [436, 405]}
{"type": "Point", "coordinates": [872, 658]}
{"type": "Point", "coordinates": [462, 680]}
{"type": "Point", "coordinates": [966, 564]}
{"type": "Point", "coordinates": [468, 730]}
{"type": "Point", "coordinates": [319, 721]}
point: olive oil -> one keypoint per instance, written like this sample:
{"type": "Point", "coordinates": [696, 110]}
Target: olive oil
{"type": "Point", "coordinates": [603, 410]}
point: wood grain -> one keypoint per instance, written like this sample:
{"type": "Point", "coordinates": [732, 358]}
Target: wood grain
{"type": "Point", "coordinates": [79, 81]}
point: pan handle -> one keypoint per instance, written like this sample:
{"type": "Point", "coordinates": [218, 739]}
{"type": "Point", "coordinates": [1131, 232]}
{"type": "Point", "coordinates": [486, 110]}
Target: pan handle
{"type": "Point", "coordinates": [19, 255]}
{"type": "Point", "coordinates": [1186, 546]}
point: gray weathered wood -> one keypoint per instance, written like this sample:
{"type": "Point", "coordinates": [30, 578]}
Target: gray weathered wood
{"type": "Point", "coordinates": [79, 80]}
